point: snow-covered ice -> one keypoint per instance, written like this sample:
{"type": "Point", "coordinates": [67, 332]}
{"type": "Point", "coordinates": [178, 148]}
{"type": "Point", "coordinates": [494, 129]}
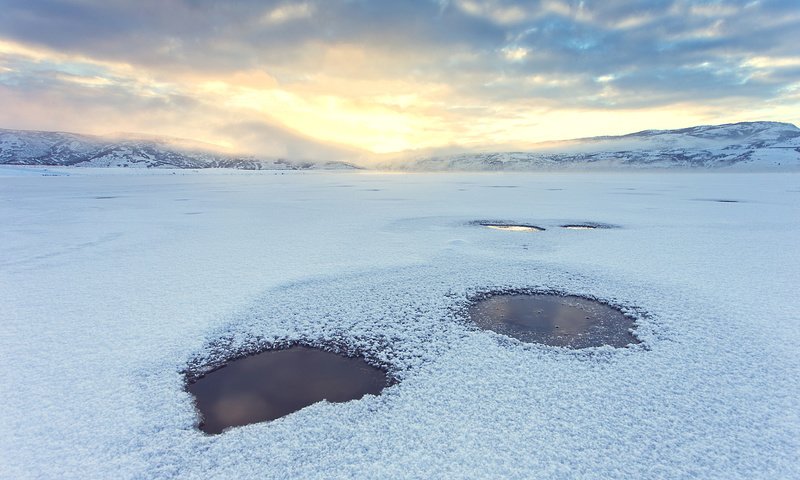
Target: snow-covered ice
{"type": "Point", "coordinates": [112, 284]}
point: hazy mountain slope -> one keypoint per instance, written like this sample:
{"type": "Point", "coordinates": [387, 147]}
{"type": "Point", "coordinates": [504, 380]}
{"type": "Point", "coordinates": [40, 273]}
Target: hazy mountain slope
{"type": "Point", "coordinates": [757, 145]}
{"type": "Point", "coordinates": [23, 147]}
{"type": "Point", "coordinates": [754, 145]}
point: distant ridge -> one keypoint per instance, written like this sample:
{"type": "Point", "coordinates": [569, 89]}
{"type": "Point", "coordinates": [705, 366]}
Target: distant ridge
{"type": "Point", "coordinates": [745, 145]}
{"type": "Point", "coordinates": [28, 147]}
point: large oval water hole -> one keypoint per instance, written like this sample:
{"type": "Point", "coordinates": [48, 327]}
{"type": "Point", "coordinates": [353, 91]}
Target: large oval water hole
{"type": "Point", "coordinates": [562, 321]}
{"type": "Point", "coordinates": [275, 383]}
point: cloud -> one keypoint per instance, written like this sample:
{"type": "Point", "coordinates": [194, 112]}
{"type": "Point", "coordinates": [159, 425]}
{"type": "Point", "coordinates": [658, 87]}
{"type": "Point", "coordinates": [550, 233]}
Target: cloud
{"type": "Point", "coordinates": [288, 12]}
{"type": "Point", "coordinates": [394, 75]}
{"type": "Point", "coordinates": [270, 138]}
{"type": "Point", "coordinates": [497, 12]}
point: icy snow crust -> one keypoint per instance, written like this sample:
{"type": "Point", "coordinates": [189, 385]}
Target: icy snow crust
{"type": "Point", "coordinates": [113, 285]}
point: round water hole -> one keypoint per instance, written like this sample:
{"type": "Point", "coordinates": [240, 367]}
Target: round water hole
{"type": "Point", "coordinates": [511, 227]}
{"type": "Point", "coordinates": [588, 226]}
{"type": "Point", "coordinates": [275, 383]}
{"type": "Point", "coordinates": [718, 200]}
{"type": "Point", "coordinates": [562, 321]}
{"type": "Point", "coordinates": [579, 227]}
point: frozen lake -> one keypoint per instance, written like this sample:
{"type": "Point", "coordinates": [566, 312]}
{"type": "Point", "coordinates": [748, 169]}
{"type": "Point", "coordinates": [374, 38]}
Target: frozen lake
{"type": "Point", "coordinates": [113, 282]}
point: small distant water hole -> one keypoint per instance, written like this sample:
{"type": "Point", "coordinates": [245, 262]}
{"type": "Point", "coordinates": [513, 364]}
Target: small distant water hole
{"type": "Point", "coordinates": [509, 226]}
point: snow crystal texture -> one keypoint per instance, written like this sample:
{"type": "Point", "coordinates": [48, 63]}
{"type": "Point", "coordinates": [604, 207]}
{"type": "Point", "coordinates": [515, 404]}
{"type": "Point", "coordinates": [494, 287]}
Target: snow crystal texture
{"type": "Point", "coordinates": [113, 285]}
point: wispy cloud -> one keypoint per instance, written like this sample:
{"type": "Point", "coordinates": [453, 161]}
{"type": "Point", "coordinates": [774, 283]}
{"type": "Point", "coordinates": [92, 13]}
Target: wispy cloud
{"type": "Point", "coordinates": [288, 12]}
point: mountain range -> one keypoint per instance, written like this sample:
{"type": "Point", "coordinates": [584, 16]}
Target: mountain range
{"type": "Point", "coordinates": [746, 145]}
{"type": "Point", "coordinates": [27, 147]}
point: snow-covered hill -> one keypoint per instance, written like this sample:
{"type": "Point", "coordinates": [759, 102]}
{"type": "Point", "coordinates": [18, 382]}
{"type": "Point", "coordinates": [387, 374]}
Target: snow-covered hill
{"type": "Point", "coordinates": [24, 147]}
{"type": "Point", "coordinates": [749, 145]}
{"type": "Point", "coordinates": [755, 145]}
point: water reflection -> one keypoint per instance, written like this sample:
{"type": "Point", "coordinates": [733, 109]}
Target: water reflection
{"type": "Point", "coordinates": [564, 321]}
{"type": "Point", "coordinates": [515, 228]}
{"type": "Point", "coordinates": [508, 226]}
{"type": "Point", "coordinates": [275, 383]}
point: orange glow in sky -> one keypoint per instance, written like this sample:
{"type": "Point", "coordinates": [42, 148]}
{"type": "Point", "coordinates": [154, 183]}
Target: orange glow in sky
{"type": "Point", "coordinates": [440, 75]}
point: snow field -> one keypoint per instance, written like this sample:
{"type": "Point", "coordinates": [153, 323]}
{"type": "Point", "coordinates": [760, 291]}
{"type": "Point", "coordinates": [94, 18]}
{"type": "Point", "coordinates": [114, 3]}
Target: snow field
{"type": "Point", "coordinates": [108, 300]}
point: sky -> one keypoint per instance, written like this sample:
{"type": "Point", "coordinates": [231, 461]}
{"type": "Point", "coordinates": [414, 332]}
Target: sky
{"type": "Point", "coordinates": [336, 78]}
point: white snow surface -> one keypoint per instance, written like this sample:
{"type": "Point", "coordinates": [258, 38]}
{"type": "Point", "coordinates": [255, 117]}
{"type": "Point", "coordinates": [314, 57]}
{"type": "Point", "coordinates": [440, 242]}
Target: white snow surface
{"type": "Point", "coordinates": [113, 284]}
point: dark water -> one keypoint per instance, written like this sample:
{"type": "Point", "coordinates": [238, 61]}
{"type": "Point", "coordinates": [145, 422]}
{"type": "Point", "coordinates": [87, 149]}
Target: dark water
{"type": "Point", "coordinates": [562, 321]}
{"type": "Point", "coordinates": [588, 226]}
{"type": "Point", "coordinates": [275, 383]}
{"type": "Point", "coordinates": [718, 200]}
{"type": "Point", "coordinates": [579, 226]}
